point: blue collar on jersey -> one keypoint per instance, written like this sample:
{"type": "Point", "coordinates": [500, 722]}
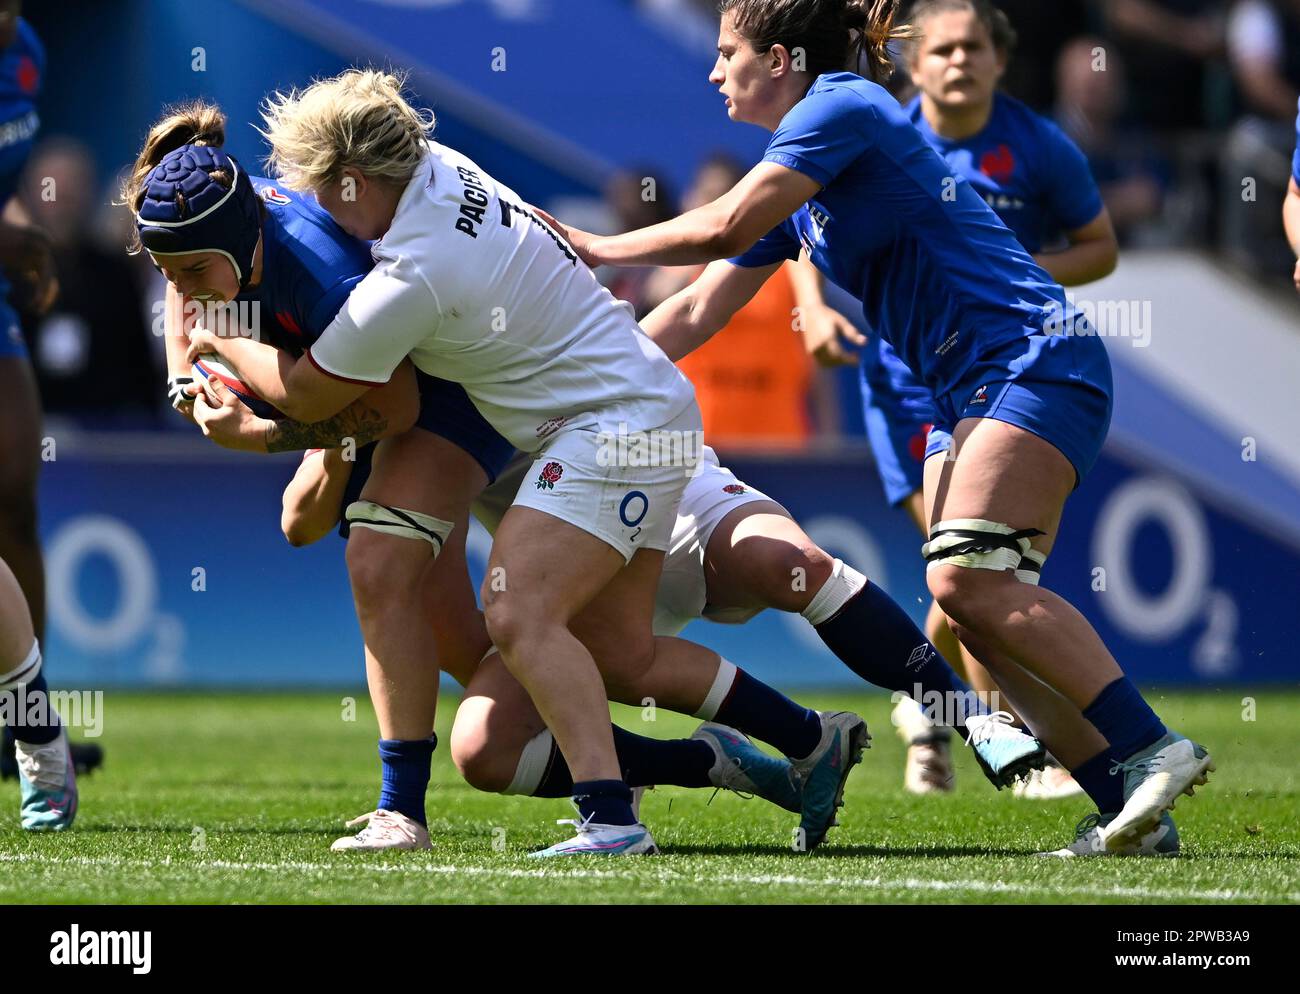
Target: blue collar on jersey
{"type": "Point", "coordinates": [214, 218]}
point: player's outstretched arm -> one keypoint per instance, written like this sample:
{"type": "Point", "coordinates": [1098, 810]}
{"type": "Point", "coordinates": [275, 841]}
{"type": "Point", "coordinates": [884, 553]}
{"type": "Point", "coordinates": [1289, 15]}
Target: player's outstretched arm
{"type": "Point", "coordinates": [730, 226]}
{"type": "Point", "coordinates": [313, 500]}
{"type": "Point", "coordinates": [688, 319]}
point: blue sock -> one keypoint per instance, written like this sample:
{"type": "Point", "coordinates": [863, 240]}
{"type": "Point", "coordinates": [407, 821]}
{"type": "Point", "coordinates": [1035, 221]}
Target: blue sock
{"type": "Point", "coordinates": [1124, 719]}
{"type": "Point", "coordinates": [406, 775]}
{"type": "Point", "coordinates": [878, 641]}
{"type": "Point", "coordinates": [1094, 776]}
{"type": "Point", "coordinates": [645, 762]}
{"type": "Point", "coordinates": [604, 802]}
{"type": "Point", "coordinates": [40, 732]}
{"type": "Point", "coordinates": [763, 713]}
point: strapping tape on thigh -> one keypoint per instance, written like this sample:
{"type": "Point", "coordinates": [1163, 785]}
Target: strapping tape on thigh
{"type": "Point", "coordinates": [1030, 569]}
{"type": "Point", "coordinates": [977, 544]}
{"type": "Point", "coordinates": [400, 523]}
{"type": "Point", "coordinates": [25, 672]}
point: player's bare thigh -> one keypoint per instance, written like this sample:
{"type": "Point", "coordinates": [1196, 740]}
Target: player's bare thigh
{"type": "Point", "coordinates": [999, 472]}
{"type": "Point", "coordinates": [542, 571]}
{"type": "Point", "coordinates": [20, 442]}
{"type": "Point", "coordinates": [758, 557]}
{"type": "Point", "coordinates": [617, 627]}
{"type": "Point", "coordinates": [423, 472]}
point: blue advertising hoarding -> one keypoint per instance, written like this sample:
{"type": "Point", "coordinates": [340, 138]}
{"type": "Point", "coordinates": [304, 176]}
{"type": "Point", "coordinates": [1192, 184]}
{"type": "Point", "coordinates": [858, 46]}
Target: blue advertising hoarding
{"type": "Point", "coordinates": [166, 567]}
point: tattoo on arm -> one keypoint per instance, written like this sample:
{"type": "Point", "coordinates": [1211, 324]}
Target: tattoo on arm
{"type": "Point", "coordinates": [359, 422]}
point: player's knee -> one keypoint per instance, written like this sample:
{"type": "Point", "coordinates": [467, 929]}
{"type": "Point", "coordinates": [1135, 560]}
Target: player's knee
{"type": "Point", "coordinates": [625, 672]}
{"type": "Point", "coordinates": [383, 570]}
{"type": "Point", "coordinates": [792, 574]}
{"type": "Point", "coordinates": [475, 757]}
{"type": "Point", "coordinates": [969, 597]}
{"type": "Point", "coordinates": [512, 621]}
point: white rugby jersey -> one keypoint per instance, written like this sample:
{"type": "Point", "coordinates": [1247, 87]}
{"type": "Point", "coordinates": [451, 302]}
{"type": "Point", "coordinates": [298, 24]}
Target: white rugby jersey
{"type": "Point", "coordinates": [476, 289]}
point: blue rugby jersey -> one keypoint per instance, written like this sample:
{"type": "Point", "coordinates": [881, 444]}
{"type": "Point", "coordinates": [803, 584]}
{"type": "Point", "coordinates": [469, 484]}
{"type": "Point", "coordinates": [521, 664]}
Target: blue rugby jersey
{"type": "Point", "coordinates": [940, 276]}
{"type": "Point", "coordinates": [22, 69]}
{"type": "Point", "coordinates": [1026, 169]}
{"type": "Point", "coordinates": [309, 266]}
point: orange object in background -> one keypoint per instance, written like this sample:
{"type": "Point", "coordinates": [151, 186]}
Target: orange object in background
{"type": "Point", "coordinates": [753, 378]}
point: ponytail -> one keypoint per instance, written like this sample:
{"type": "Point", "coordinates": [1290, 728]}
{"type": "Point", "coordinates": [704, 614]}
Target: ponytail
{"type": "Point", "coordinates": [834, 35]}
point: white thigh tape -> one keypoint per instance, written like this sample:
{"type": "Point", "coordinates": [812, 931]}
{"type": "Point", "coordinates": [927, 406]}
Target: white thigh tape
{"type": "Point", "coordinates": [403, 524]}
{"type": "Point", "coordinates": [974, 543]}
{"type": "Point", "coordinates": [25, 672]}
{"type": "Point", "coordinates": [1031, 567]}
{"type": "Point", "coordinates": [532, 764]}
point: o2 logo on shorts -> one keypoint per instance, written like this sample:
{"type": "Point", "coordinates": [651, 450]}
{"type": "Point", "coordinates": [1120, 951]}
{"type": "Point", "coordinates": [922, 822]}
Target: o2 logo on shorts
{"type": "Point", "coordinates": [633, 509]}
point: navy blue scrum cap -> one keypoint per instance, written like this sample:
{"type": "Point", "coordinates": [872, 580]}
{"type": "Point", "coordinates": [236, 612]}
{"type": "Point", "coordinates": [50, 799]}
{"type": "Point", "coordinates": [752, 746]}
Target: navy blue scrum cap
{"type": "Point", "coordinates": [206, 216]}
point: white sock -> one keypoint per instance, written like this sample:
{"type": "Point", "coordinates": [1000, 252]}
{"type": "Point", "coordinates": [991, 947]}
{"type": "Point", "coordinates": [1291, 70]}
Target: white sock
{"type": "Point", "coordinates": [722, 682]}
{"type": "Point", "coordinates": [25, 672]}
{"type": "Point", "coordinates": [532, 764]}
{"type": "Point", "coordinates": [842, 585]}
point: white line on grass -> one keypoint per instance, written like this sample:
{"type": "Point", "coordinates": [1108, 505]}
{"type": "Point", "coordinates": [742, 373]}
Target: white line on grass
{"type": "Point", "coordinates": [664, 875]}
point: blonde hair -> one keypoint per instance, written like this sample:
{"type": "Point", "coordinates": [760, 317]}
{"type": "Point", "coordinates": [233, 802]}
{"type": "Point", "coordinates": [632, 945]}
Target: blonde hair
{"type": "Point", "coordinates": [195, 122]}
{"type": "Point", "coordinates": [358, 119]}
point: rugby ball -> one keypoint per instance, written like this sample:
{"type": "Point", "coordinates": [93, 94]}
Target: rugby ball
{"type": "Point", "coordinates": [210, 366]}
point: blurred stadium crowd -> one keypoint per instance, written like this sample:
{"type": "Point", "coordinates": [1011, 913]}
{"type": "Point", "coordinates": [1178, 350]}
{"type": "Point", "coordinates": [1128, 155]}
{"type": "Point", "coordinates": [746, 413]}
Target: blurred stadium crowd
{"type": "Point", "coordinates": [1189, 132]}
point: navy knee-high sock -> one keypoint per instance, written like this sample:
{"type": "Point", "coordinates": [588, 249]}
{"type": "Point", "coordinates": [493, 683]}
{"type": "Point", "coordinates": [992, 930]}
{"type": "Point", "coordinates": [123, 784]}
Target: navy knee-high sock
{"type": "Point", "coordinates": [1105, 789]}
{"type": "Point", "coordinates": [645, 762]}
{"type": "Point", "coordinates": [1124, 719]}
{"type": "Point", "coordinates": [604, 802]}
{"type": "Point", "coordinates": [406, 775]}
{"type": "Point", "coordinates": [878, 641]}
{"type": "Point", "coordinates": [763, 713]}
{"type": "Point", "coordinates": [44, 729]}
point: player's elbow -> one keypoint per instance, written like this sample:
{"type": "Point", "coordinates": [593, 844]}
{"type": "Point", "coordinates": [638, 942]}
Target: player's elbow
{"type": "Point", "coordinates": [727, 234]}
{"type": "Point", "coordinates": [306, 410]}
{"type": "Point", "coordinates": [1108, 257]}
{"type": "Point", "coordinates": [300, 527]}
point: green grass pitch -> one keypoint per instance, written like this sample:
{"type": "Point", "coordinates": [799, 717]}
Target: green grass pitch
{"type": "Point", "coordinates": [216, 798]}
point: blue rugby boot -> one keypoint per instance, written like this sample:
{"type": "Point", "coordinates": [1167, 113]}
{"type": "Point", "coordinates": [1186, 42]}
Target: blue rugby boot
{"type": "Point", "coordinates": [742, 767]}
{"type": "Point", "coordinates": [1004, 752]}
{"type": "Point", "coordinates": [825, 770]}
{"type": "Point", "coordinates": [601, 840]}
{"type": "Point", "coordinates": [1153, 779]}
{"type": "Point", "coordinates": [49, 785]}
{"type": "Point", "coordinates": [1089, 840]}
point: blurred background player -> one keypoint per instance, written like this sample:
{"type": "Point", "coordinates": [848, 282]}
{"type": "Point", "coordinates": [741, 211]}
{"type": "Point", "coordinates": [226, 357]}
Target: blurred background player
{"type": "Point", "coordinates": [27, 283]}
{"type": "Point", "coordinates": [1039, 184]}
